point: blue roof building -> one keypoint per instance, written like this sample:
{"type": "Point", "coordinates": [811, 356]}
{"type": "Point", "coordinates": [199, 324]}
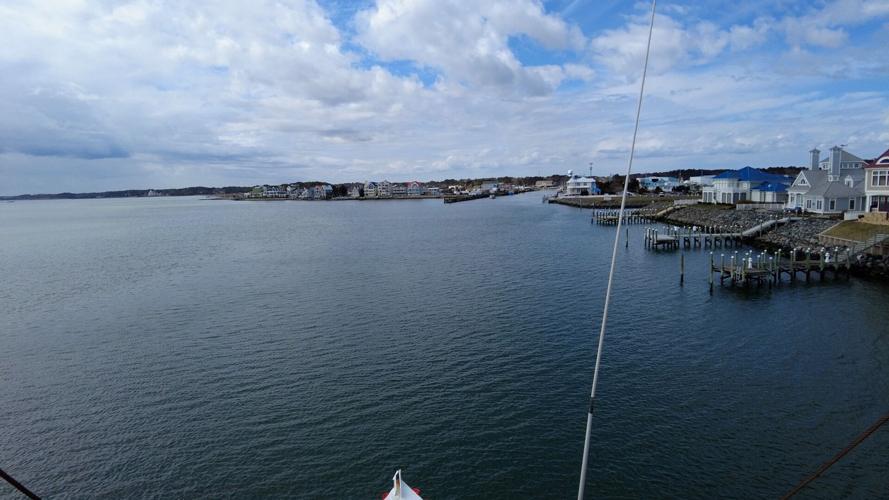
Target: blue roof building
{"type": "Point", "coordinates": [746, 184]}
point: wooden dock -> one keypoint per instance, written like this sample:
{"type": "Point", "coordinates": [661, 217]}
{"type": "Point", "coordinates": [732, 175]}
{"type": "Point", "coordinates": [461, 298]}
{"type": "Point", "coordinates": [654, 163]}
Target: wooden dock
{"type": "Point", "coordinates": [690, 238]}
{"type": "Point", "coordinates": [771, 268]}
{"type": "Point", "coordinates": [608, 217]}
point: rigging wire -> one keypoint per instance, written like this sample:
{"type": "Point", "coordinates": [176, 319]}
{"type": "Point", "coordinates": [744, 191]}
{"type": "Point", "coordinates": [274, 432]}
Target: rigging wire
{"type": "Point", "coordinates": [623, 204]}
{"type": "Point", "coordinates": [19, 486]}
{"type": "Point", "coordinates": [826, 465]}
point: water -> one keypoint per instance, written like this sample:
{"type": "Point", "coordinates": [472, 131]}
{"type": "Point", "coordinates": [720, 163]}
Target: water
{"type": "Point", "coordinates": [176, 347]}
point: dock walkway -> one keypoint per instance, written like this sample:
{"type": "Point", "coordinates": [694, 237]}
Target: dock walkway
{"type": "Point", "coordinates": [771, 268]}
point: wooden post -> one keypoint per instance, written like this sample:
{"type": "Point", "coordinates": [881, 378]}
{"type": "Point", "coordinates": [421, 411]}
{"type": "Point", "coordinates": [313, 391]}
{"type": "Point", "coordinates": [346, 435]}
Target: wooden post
{"type": "Point", "coordinates": [710, 272]}
{"type": "Point", "coordinates": [682, 269]}
{"type": "Point", "coordinates": [628, 239]}
{"type": "Point", "coordinates": [732, 269]}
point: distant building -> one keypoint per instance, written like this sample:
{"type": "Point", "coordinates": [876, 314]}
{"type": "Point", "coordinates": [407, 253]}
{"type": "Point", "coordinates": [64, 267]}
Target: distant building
{"type": "Point", "coordinates": [414, 188]}
{"type": "Point", "coordinates": [665, 183]}
{"type": "Point", "coordinates": [384, 189]}
{"type": "Point", "coordinates": [355, 191]}
{"type": "Point", "coordinates": [832, 190]}
{"type": "Point", "coordinates": [580, 186]}
{"type": "Point", "coordinates": [697, 182]}
{"type": "Point", "coordinates": [733, 186]}
{"type": "Point", "coordinates": [769, 192]}
{"type": "Point", "coordinates": [433, 191]}
{"type": "Point", "coordinates": [544, 184]}
{"type": "Point", "coordinates": [370, 189]}
{"type": "Point", "coordinates": [877, 183]}
{"type": "Point", "coordinates": [837, 155]}
{"type": "Point", "coordinates": [397, 189]}
{"type": "Point", "coordinates": [489, 187]}
{"type": "Point", "coordinates": [322, 192]}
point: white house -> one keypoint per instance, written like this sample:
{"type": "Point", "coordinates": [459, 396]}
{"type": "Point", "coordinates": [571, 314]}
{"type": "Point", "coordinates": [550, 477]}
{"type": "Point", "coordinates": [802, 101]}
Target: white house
{"type": "Point", "coordinates": [733, 186]}
{"type": "Point", "coordinates": [876, 187]}
{"type": "Point", "coordinates": [355, 192]}
{"type": "Point", "coordinates": [580, 186]}
{"type": "Point", "coordinates": [414, 188]}
{"type": "Point", "coordinates": [829, 191]}
{"type": "Point", "coordinates": [384, 189]}
{"type": "Point", "coordinates": [370, 189]}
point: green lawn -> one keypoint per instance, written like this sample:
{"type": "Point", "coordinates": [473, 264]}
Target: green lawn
{"type": "Point", "coordinates": [854, 230]}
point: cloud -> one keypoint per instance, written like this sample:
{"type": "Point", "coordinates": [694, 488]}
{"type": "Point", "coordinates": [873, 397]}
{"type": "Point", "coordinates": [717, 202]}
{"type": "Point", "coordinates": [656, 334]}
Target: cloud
{"type": "Point", "coordinates": [156, 93]}
{"type": "Point", "coordinates": [673, 45]}
{"type": "Point", "coordinates": [469, 42]}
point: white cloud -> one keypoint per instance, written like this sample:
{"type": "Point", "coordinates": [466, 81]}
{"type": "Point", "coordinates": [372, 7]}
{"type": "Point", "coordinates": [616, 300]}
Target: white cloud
{"type": "Point", "coordinates": [673, 45]}
{"type": "Point", "coordinates": [156, 93]}
{"type": "Point", "coordinates": [469, 42]}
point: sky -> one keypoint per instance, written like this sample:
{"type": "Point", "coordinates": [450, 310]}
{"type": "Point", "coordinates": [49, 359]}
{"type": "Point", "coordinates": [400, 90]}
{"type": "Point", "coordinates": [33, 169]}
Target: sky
{"type": "Point", "coordinates": [100, 95]}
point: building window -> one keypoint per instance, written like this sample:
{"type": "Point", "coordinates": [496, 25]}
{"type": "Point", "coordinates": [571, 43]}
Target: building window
{"type": "Point", "coordinates": [818, 205]}
{"type": "Point", "coordinates": [833, 204]}
{"type": "Point", "coordinates": [808, 203]}
{"type": "Point", "coordinates": [879, 178]}
{"type": "Point", "coordinates": [851, 203]}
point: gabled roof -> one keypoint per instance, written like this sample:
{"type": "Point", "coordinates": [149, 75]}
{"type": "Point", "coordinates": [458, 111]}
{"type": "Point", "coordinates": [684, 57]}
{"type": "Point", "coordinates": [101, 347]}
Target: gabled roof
{"type": "Point", "coordinates": [877, 161]}
{"type": "Point", "coordinates": [821, 186]}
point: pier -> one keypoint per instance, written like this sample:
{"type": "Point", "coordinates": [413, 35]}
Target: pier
{"type": "Point", "coordinates": [771, 268]}
{"type": "Point", "coordinates": [608, 217]}
{"type": "Point", "coordinates": [690, 238]}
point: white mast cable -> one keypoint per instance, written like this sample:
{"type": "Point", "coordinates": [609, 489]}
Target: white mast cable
{"type": "Point", "coordinates": [620, 218]}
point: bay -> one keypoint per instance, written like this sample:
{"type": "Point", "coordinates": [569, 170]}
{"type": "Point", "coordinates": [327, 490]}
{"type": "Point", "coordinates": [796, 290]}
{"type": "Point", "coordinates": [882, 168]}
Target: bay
{"type": "Point", "coordinates": [180, 347]}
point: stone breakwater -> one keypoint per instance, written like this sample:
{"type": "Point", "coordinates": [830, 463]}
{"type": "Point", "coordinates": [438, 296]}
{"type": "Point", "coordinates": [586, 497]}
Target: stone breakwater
{"type": "Point", "coordinates": [723, 218]}
{"type": "Point", "coordinates": [797, 233]}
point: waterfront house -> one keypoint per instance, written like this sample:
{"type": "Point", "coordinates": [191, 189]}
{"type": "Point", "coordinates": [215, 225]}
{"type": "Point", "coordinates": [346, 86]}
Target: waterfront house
{"type": "Point", "coordinates": [837, 154]}
{"type": "Point", "coordinates": [580, 186]}
{"type": "Point", "coordinates": [544, 184]}
{"type": "Point", "coordinates": [414, 188]}
{"type": "Point", "coordinates": [322, 192]}
{"type": "Point", "coordinates": [397, 189]}
{"type": "Point", "coordinates": [355, 191]}
{"type": "Point", "coordinates": [384, 189]}
{"type": "Point", "coordinates": [370, 189]}
{"type": "Point", "coordinates": [433, 191]}
{"type": "Point", "coordinates": [833, 190]}
{"type": "Point", "coordinates": [733, 186]}
{"type": "Point", "coordinates": [877, 183]}
{"type": "Point", "coordinates": [273, 192]}
{"type": "Point", "coordinates": [665, 183]}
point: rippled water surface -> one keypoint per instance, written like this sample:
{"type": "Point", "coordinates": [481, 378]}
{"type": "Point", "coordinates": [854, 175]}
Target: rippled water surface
{"type": "Point", "coordinates": [177, 347]}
